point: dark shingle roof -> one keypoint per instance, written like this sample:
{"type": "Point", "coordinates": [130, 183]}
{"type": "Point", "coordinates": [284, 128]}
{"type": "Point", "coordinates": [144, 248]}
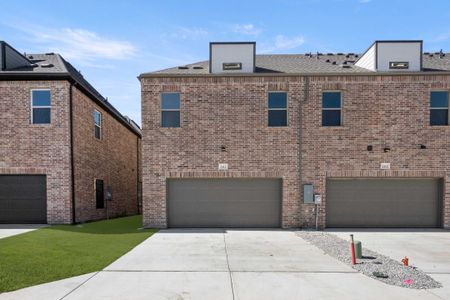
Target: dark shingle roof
{"type": "Point", "coordinates": [53, 65]}
{"type": "Point", "coordinates": [324, 63]}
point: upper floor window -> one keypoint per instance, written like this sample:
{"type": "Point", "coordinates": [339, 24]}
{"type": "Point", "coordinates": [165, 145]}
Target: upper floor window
{"type": "Point", "coordinates": [277, 108]}
{"type": "Point", "coordinates": [331, 109]}
{"type": "Point", "coordinates": [170, 109]}
{"type": "Point", "coordinates": [99, 194]}
{"type": "Point", "coordinates": [439, 108]}
{"type": "Point", "coordinates": [97, 124]}
{"type": "Point", "coordinates": [41, 107]}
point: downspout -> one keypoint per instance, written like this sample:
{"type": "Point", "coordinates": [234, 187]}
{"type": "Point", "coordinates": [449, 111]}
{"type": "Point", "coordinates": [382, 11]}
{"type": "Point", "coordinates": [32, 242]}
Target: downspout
{"type": "Point", "coordinates": [72, 175]}
{"type": "Point", "coordinates": [300, 147]}
{"type": "Point", "coordinates": [137, 173]}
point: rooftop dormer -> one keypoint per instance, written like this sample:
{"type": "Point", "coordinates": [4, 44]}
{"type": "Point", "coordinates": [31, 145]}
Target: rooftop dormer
{"type": "Point", "coordinates": [232, 57]}
{"type": "Point", "coordinates": [11, 59]}
{"type": "Point", "coordinates": [392, 56]}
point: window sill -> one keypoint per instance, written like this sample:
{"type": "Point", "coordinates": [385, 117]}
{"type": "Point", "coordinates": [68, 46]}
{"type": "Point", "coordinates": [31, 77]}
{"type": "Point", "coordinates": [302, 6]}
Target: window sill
{"type": "Point", "coordinates": [334, 127]}
{"type": "Point", "coordinates": [41, 125]}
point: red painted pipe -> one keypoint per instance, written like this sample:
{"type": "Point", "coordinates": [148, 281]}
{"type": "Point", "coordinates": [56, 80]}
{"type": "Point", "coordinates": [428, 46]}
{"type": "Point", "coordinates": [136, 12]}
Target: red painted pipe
{"type": "Point", "coordinates": [353, 250]}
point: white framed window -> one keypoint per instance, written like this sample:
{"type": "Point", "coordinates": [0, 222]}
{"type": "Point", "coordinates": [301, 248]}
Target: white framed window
{"type": "Point", "coordinates": [97, 124]}
{"type": "Point", "coordinates": [41, 106]}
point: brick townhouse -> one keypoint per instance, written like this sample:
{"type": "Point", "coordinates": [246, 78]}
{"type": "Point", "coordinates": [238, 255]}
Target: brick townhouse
{"type": "Point", "coordinates": [320, 139]}
{"type": "Point", "coordinates": [66, 154]}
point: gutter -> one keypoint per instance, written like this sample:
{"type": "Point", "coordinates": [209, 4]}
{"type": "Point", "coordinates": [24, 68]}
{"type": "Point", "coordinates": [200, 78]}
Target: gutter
{"type": "Point", "coordinates": [167, 75]}
{"type": "Point", "coordinates": [72, 175]}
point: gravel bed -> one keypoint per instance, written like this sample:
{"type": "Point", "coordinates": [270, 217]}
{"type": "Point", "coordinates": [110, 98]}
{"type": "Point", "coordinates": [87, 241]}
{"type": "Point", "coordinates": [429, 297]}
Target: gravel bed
{"type": "Point", "coordinates": [398, 274]}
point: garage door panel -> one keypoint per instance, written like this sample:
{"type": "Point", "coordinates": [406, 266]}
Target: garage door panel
{"type": "Point", "coordinates": [224, 202]}
{"type": "Point", "coordinates": [383, 203]}
{"type": "Point", "coordinates": [23, 199]}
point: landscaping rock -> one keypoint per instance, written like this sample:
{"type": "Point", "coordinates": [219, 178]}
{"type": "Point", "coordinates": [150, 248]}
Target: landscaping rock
{"type": "Point", "coordinates": [372, 262]}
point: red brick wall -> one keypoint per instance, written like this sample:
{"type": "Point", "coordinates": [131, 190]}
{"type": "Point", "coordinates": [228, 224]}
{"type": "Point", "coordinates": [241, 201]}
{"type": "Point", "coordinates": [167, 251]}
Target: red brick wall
{"type": "Point", "coordinates": [381, 111]}
{"type": "Point", "coordinates": [114, 159]}
{"type": "Point", "coordinates": [38, 149]}
{"type": "Point", "coordinates": [215, 112]}
{"type": "Point", "coordinates": [232, 111]}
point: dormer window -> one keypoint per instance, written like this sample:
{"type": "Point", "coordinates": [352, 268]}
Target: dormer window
{"type": "Point", "coordinates": [398, 65]}
{"type": "Point", "coordinates": [232, 66]}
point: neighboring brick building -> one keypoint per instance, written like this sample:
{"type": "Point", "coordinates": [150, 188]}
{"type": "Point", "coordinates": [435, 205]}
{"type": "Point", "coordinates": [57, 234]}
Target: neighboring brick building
{"type": "Point", "coordinates": [247, 140]}
{"type": "Point", "coordinates": [63, 147]}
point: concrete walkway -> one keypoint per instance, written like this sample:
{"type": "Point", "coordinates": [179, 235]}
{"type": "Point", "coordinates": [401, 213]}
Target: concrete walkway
{"type": "Point", "coordinates": [7, 230]}
{"type": "Point", "coordinates": [217, 264]}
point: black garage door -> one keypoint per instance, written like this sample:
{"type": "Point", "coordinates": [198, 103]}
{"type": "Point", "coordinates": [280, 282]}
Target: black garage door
{"type": "Point", "coordinates": [23, 199]}
{"type": "Point", "coordinates": [383, 202]}
{"type": "Point", "coordinates": [224, 202]}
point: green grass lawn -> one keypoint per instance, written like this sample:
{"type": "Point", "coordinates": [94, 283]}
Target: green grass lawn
{"type": "Point", "coordinates": [63, 251]}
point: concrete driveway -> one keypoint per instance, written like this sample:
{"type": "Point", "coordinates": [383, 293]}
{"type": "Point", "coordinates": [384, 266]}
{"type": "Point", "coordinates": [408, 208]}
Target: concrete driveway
{"type": "Point", "coordinates": [7, 230]}
{"type": "Point", "coordinates": [223, 264]}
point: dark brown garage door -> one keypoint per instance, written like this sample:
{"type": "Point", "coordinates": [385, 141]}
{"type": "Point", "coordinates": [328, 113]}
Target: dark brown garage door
{"type": "Point", "coordinates": [383, 203]}
{"type": "Point", "coordinates": [23, 199]}
{"type": "Point", "coordinates": [224, 202]}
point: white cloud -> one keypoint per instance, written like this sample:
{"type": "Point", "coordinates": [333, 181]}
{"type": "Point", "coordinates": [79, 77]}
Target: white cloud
{"type": "Point", "coordinates": [441, 37]}
{"type": "Point", "coordinates": [281, 43]}
{"type": "Point", "coordinates": [246, 29]}
{"type": "Point", "coordinates": [83, 45]}
{"type": "Point", "coordinates": [187, 33]}
{"type": "Point", "coordinates": [285, 43]}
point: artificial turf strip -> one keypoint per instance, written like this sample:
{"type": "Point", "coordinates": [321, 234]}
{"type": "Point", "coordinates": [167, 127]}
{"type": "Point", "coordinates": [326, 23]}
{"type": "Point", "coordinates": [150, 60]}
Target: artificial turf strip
{"type": "Point", "coordinates": [63, 251]}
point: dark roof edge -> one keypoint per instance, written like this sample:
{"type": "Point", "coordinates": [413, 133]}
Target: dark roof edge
{"type": "Point", "coordinates": [398, 41]}
{"type": "Point", "coordinates": [232, 43]}
{"type": "Point", "coordinates": [16, 76]}
{"type": "Point", "coordinates": [373, 73]}
{"type": "Point", "coordinates": [14, 49]}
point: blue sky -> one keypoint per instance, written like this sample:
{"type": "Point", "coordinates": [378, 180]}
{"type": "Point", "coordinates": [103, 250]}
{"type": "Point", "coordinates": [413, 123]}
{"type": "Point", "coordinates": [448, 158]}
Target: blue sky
{"type": "Point", "coordinates": [112, 42]}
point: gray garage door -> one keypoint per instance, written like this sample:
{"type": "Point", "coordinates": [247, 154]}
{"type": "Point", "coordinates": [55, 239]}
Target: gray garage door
{"type": "Point", "coordinates": [23, 199]}
{"type": "Point", "coordinates": [224, 202]}
{"type": "Point", "coordinates": [383, 203]}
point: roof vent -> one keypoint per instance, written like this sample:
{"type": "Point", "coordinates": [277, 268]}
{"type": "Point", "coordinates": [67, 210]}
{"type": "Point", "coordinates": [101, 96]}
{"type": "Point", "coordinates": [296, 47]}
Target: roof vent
{"type": "Point", "coordinates": [34, 65]}
{"type": "Point", "coordinates": [46, 65]}
{"type": "Point", "coordinates": [183, 67]}
{"type": "Point", "coordinates": [330, 54]}
{"type": "Point", "coordinates": [346, 66]}
{"type": "Point", "coordinates": [333, 63]}
{"type": "Point", "coordinates": [340, 53]}
{"type": "Point", "coordinates": [327, 60]}
{"type": "Point", "coordinates": [50, 53]}
{"type": "Point", "coordinates": [30, 57]}
{"type": "Point", "coordinates": [197, 67]}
